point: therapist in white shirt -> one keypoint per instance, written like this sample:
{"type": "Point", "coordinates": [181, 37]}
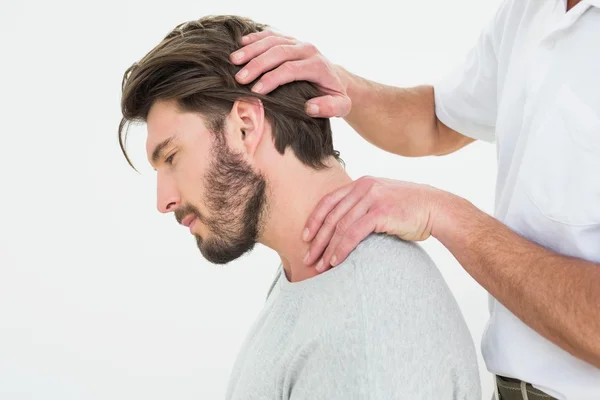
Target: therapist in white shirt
{"type": "Point", "coordinates": [531, 85]}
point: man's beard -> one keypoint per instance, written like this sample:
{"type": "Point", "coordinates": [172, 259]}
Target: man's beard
{"type": "Point", "coordinates": [236, 200]}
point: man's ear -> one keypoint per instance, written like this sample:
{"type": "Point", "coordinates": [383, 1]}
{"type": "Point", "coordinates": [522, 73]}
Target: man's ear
{"type": "Point", "coordinates": [248, 118]}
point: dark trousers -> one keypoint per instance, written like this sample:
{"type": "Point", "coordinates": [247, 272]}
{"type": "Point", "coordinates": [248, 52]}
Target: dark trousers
{"type": "Point", "coordinates": [513, 389]}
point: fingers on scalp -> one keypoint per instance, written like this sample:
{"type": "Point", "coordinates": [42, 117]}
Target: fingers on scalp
{"type": "Point", "coordinates": [253, 37]}
{"type": "Point", "coordinates": [285, 51]}
{"type": "Point", "coordinates": [279, 74]}
{"type": "Point", "coordinates": [277, 77]}
{"type": "Point", "coordinates": [276, 40]}
{"type": "Point", "coordinates": [291, 66]}
{"type": "Point", "coordinates": [262, 47]}
{"type": "Point", "coordinates": [329, 106]}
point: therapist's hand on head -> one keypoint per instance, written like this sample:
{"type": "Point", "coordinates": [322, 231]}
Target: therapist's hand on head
{"type": "Point", "coordinates": [282, 59]}
{"type": "Point", "coordinates": [343, 218]}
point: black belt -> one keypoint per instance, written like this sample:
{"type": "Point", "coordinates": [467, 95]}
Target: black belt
{"type": "Point", "coordinates": [515, 389]}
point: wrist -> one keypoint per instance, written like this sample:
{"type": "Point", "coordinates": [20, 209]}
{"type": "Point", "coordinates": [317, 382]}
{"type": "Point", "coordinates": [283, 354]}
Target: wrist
{"type": "Point", "coordinates": [349, 81]}
{"type": "Point", "coordinates": [451, 215]}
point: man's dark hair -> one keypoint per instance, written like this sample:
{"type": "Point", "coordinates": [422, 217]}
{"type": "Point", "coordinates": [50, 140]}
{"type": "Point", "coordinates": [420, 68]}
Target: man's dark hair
{"type": "Point", "coordinates": [191, 65]}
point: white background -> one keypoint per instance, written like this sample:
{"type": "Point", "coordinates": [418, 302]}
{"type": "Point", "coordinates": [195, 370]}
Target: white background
{"type": "Point", "coordinates": [101, 297]}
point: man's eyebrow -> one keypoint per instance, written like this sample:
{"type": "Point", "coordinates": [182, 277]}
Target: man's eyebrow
{"type": "Point", "coordinates": [160, 148]}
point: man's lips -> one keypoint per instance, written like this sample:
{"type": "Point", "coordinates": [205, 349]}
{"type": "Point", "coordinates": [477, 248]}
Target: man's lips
{"type": "Point", "coordinates": [192, 225]}
{"type": "Point", "coordinates": [187, 221]}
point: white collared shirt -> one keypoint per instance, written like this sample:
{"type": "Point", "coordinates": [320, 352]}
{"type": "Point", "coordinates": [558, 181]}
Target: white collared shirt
{"type": "Point", "coordinates": [532, 85]}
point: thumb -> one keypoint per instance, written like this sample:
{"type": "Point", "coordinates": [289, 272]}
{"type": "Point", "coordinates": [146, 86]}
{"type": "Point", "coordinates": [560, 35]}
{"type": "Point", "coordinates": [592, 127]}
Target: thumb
{"type": "Point", "coordinates": [329, 106]}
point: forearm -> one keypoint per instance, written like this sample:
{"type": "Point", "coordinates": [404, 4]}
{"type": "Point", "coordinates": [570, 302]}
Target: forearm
{"type": "Point", "coordinates": [399, 120]}
{"type": "Point", "coordinates": [555, 295]}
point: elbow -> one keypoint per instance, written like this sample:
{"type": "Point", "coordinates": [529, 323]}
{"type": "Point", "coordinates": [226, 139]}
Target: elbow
{"type": "Point", "coordinates": [446, 140]}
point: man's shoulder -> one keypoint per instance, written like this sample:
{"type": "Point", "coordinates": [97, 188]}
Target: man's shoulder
{"type": "Point", "coordinates": [383, 272]}
{"type": "Point", "coordinates": [381, 244]}
{"type": "Point", "coordinates": [388, 255]}
{"type": "Point", "coordinates": [399, 274]}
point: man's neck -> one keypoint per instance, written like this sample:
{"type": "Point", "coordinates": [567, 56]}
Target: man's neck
{"type": "Point", "coordinates": [572, 3]}
{"type": "Point", "coordinates": [293, 192]}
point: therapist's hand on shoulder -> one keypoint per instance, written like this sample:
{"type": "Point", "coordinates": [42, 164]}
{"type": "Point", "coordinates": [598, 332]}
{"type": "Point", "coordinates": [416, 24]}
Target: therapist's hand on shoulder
{"type": "Point", "coordinates": [282, 59]}
{"type": "Point", "coordinates": [343, 218]}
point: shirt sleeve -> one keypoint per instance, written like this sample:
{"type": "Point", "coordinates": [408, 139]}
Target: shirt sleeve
{"type": "Point", "coordinates": [466, 98]}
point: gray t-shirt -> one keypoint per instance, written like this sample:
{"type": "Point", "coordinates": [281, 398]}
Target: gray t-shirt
{"type": "Point", "coordinates": [381, 325]}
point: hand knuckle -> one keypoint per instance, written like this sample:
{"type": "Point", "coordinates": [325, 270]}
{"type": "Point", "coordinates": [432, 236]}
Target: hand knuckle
{"type": "Point", "coordinates": [271, 81]}
{"type": "Point", "coordinates": [323, 63]}
{"type": "Point", "coordinates": [353, 235]}
{"type": "Point", "coordinates": [330, 220]}
{"type": "Point", "coordinates": [285, 51]}
{"type": "Point", "coordinates": [372, 190]}
{"type": "Point", "coordinates": [253, 64]}
{"type": "Point", "coordinates": [366, 181]}
{"type": "Point", "coordinates": [311, 220]}
{"type": "Point", "coordinates": [291, 67]}
{"type": "Point", "coordinates": [316, 248]}
{"type": "Point", "coordinates": [381, 209]}
{"type": "Point", "coordinates": [267, 79]}
{"type": "Point", "coordinates": [376, 191]}
{"type": "Point", "coordinates": [372, 180]}
{"type": "Point", "coordinates": [327, 200]}
{"type": "Point", "coordinates": [272, 41]}
{"type": "Point", "coordinates": [311, 48]}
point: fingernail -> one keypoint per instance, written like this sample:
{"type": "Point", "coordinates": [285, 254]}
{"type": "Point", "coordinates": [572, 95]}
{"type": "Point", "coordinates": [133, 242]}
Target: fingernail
{"type": "Point", "coordinates": [242, 74]}
{"type": "Point", "coordinates": [305, 234]}
{"type": "Point", "coordinates": [238, 55]}
{"type": "Point", "coordinates": [244, 39]}
{"type": "Point", "coordinates": [320, 266]}
{"type": "Point", "coordinates": [312, 109]}
{"type": "Point", "coordinates": [306, 257]}
{"type": "Point", "coordinates": [257, 87]}
{"type": "Point", "coordinates": [333, 261]}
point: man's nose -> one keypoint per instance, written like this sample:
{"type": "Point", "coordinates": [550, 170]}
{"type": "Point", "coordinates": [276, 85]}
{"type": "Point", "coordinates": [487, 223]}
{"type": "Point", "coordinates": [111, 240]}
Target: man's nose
{"type": "Point", "coordinates": [167, 195]}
